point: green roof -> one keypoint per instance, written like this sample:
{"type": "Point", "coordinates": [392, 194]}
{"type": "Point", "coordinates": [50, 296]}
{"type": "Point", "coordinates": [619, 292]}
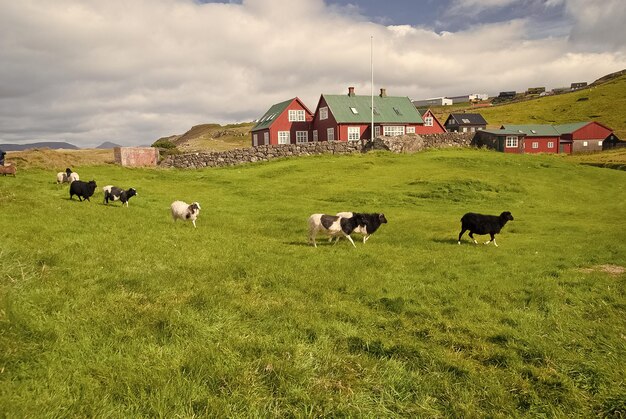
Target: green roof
{"type": "Point", "coordinates": [268, 117]}
{"type": "Point", "coordinates": [357, 109]}
{"type": "Point", "coordinates": [534, 130]}
{"type": "Point", "coordinates": [569, 128]}
{"type": "Point", "coordinates": [503, 131]}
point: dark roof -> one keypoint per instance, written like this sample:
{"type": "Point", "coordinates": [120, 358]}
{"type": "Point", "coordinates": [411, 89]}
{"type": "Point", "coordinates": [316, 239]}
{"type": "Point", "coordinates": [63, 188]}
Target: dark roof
{"type": "Point", "coordinates": [468, 119]}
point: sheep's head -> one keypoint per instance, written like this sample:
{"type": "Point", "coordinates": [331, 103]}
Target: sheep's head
{"type": "Point", "coordinates": [506, 216]}
{"type": "Point", "coordinates": [382, 219]}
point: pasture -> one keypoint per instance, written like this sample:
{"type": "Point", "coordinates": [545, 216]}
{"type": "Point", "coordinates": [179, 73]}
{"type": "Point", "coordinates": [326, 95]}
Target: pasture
{"type": "Point", "coordinates": [110, 311]}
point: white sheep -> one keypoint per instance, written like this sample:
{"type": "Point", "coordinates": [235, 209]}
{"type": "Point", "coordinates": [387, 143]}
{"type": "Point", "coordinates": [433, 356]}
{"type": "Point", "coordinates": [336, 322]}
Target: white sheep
{"type": "Point", "coordinates": [183, 211]}
{"type": "Point", "coordinates": [72, 177]}
{"type": "Point", "coordinates": [63, 177]}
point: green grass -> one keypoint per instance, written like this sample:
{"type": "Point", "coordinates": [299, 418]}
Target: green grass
{"type": "Point", "coordinates": [120, 312]}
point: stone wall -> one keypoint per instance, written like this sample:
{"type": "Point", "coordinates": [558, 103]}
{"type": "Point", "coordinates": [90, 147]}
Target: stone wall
{"type": "Point", "coordinates": [403, 144]}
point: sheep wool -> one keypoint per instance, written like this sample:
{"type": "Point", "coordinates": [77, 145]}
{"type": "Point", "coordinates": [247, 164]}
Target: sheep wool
{"type": "Point", "coordinates": [184, 211]}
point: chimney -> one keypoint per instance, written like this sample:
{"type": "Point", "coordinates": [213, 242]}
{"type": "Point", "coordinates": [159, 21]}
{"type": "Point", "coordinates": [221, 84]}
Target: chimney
{"type": "Point", "coordinates": [383, 92]}
{"type": "Point", "coordinates": [350, 91]}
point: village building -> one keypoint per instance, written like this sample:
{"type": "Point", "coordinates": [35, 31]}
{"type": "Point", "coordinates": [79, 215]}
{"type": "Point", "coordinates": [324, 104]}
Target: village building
{"type": "Point", "coordinates": [465, 122]}
{"type": "Point", "coordinates": [286, 122]}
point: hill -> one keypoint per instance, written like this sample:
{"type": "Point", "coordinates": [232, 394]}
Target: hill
{"type": "Point", "coordinates": [53, 145]}
{"type": "Point", "coordinates": [213, 137]}
{"type": "Point", "coordinates": [603, 101]}
{"type": "Point", "coordinates": [108, 144]}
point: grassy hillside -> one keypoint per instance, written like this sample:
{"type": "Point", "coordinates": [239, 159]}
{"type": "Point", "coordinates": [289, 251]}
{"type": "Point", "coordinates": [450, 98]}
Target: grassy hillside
{"type": "Point", "coordinates": [604, 102]}
{"type": "Point", "coordinates": [108, 311]}
{"type": "Point", "coordinates": [214, 137]}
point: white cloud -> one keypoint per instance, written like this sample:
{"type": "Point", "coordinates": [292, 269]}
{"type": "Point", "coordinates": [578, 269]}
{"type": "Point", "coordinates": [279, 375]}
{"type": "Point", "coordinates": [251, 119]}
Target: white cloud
{"type": "Point", "coordinates": [130, 72]}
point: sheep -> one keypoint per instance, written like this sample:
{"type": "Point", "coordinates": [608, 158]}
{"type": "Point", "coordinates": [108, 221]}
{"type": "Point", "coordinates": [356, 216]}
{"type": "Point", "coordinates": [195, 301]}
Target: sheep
{"type": "Point", "coordinates": [72, 177]}
{"type": "Point", "coordinates": [82, 189]}
{"type": "Point", "coordinates": [114, 193]}
{"type": "Point", "coordinates": [333, 225]}
{"type": "Point", "coordinates": [63, 177]}
{"type": "Point", "coordinates": [371, 223]}
{"type": "Point", "coordinates": [484, 224]}
{"type": "Point", "coordinates": [183, 211]}
{"type": "Point", "coordinates": [8, 170]}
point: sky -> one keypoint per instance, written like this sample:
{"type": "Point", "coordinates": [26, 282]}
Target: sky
{"type": "Point", "coordinates": [133, 71]}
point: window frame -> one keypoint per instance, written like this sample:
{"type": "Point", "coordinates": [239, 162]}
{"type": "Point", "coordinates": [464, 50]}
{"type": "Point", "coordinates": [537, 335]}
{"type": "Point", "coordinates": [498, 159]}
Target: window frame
{"type": "Point", "coordinates": [302, 139]}
{"type": "Point", "coordinates": [392, 129]}
{"type": "Point", "coordinates": [330, 134]}
{"type": "Point", "coordinates": [323, 113]}
{"type": "Point", "coordinates": [514, 141]}
{"type": "Point", "coordinates": [282, 135]}
{"type": "Point", "coordinates": [351, 133]}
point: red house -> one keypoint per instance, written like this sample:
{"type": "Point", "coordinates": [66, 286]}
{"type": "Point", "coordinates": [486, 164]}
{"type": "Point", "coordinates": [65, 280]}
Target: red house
{"type": "Point", "coordinates": [538, 138]}
{"type": "Point", "coordinates": [583, 136]}
{"type": "Point", "coordinates": [566, 138]}
{"type": "Point", "coordinates": [286, 122]}
{"type": "Point", "coordinates": [349, 117]}
{"type": "Point", "coordinates": [431, 123]}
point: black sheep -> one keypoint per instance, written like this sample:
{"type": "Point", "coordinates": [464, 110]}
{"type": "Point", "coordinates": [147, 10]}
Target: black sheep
{"type": "Point", "coordinates": [114, 193]}
{"type": "Point", "coordinates": [82, 189]}
{"type": "Point", "coordinates": [484, 224]}
{"type": "Point", "coordinates": [368, 223]}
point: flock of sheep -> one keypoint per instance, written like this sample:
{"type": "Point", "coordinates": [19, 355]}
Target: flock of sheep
{"type": "Point", "coordinates": [84, 190]}
{"type": "Point", "coordinates": [343, 224]}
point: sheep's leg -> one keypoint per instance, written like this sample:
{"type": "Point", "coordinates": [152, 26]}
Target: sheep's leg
{"type": "Point", "coordinates": [366, 237]}
{"type": "Point", "coordinates": [350, 238]}
{"type": "Point", "coordinates": [471, 234]}
{"type": "Point", "coordinates": [461, 233]}
{"type": "Point", "coordinates": [312, 234]}
{"type": "Point", "coordinates": [492, 239]}
{"type": "Point", "coordinates": [194, 223]}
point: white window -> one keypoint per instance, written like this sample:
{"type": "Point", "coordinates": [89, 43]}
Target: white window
{"type": "Point", "coordinates": [410, 130]}
{"type": "Point", "coordinates": [464, 129]}
{"type": "Point", "coordinates": [354, 133]}
{"type": "Point", "coordinates": [511, 141]}
{"type": "Point", "coordinates": [550, 144]}
{"type": "Point", "coordinates": [314, 135]}
{"type": "Point", "coordinates": [283, 137]}
{"type": "Point", "coordinates": [600, 143]}
{"type": "Point", "coordinates": [255, 140]}
{"type": "Point", "coordinates": [377, 130]}
{"type": "Point", "coordinates": [323, 113]}
{"type": "Point", "coordinates": [302, 136]}
{"type": "Point", "coordinates": [330, 134]}
{"type": "Point", "coordinates": [535, 144]}
{"type": "Point", "coordinates": [296, 115]}
{"type": "Point", "coordinates": [472, 129]}
{"type": "Point", "coordinates": [428, 121]}
{"type": "Point", "coordinates": [585, 144]}
{"type": "Point", "coordinates": [266, 138]}
{"type": "Point", "coordinates": [354, 111]}
{"type": "Point", "coordinates": [393, 130]}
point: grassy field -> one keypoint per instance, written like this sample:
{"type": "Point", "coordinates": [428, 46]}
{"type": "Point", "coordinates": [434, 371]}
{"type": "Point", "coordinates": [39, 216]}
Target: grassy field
{"type": "Point", "coordinates": [603, 103]}
{"type": "Point", "coordinates": [109, 311]}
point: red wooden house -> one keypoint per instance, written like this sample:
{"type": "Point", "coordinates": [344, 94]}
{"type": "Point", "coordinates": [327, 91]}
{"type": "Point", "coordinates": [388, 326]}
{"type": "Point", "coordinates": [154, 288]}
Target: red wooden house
{"type": "Point", "coordinates": [431, 123]}
{"type": "Point", "coordinates": [349, 117]}
{"type": "Point", "coordinates": [583, 136]}
{"type": "Point", "coordinates": [538, 138]}
{"type": "Point", "coordinates": [287, 122]}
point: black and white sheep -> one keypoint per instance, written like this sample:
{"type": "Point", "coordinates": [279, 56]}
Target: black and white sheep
{"type": "Point", "coordinates": [183, 211]}
{"type": "Point", "coordinates": [63, 177]}
{"type": "Point", "coordinates": [113, 193]}
{"type": "Point", "coordinates": [333, 226]}
{"type": "Point", "coordinates": [484, 224]}
{"type": "Point", "coordinates": [369, 223]}
{"type": "Point", "coordinates": [72, 177]}
{"type": "Point", "coordinates": [82, 189]}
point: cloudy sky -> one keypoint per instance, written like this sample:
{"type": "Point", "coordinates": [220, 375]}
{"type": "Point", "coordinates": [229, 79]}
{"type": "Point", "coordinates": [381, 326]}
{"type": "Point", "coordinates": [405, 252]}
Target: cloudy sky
{"type": "Point", "coordinates": [131, 71]}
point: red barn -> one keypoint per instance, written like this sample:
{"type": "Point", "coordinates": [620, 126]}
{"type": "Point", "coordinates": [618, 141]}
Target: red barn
{"type": "Point", "coordinates": [288, 122]}
{"type": "Point", "coordinates": [431, 123]}
{"type": "Point", "coordinates": [349, 117]}
{"type": "Point", "coordinates": [583, 136]}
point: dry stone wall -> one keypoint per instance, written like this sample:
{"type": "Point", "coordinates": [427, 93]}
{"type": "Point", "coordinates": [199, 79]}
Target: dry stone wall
{"type": "Point", "coordinates": [403, 144]}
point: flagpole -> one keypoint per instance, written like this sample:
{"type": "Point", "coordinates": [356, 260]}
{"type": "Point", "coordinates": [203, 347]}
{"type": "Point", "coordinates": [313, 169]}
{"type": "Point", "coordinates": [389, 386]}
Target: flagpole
{"type": "Point", "coordinates": [372, 84]}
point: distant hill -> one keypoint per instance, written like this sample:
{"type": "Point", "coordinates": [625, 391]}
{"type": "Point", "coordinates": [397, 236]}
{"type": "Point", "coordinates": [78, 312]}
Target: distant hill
{"type": "Point", "coordinates": [108, 144]}
{"type": "Point", "coordinates": [44, 144]}
{"type": "Point", "coordinates": [602, 101]}
{"type": "Point", "coordinates": [213, 137]}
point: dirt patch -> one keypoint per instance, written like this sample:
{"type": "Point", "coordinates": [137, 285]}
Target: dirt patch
{"type": "Point", "coordinates": [609, 269]}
